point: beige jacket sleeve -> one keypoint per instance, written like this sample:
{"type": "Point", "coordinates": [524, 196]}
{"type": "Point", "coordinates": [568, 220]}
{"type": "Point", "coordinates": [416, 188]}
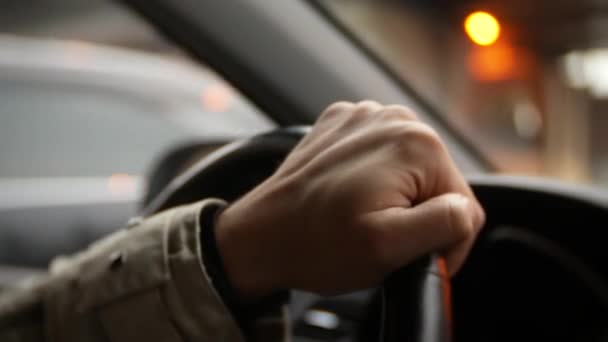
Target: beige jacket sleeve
{"type": "Point", "coordinates": [143, 283]}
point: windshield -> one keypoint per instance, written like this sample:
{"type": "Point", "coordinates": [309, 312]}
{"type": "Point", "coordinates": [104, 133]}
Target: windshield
{"type": "Point", "coordinates": [525, 82]}
{"type": "Point", "coordinates": [82, 99]}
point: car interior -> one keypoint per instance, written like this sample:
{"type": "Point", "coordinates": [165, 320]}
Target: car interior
{"type": "Point", "coordinates": [537, 272]}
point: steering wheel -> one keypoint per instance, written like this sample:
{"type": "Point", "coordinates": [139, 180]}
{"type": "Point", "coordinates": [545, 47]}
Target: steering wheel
{"type": "Point", "coordinates": [416, 300]}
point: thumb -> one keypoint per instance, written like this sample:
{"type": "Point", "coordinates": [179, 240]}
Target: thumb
{"type": "Point", "coordinates": [441, 223]}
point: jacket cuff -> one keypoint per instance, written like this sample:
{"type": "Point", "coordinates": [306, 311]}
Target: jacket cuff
{"type": "Point", "coordinates": [249, 316]}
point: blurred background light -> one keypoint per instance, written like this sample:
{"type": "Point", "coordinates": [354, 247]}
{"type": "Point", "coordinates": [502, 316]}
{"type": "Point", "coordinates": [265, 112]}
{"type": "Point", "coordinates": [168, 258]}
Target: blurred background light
{"type": "Point", "coordinates": [588, 69]}
{"type": "Point", "coordinates": [527, 120]}
{"type": "Point", "coordinates": [493, 63]}
{"type": "Point", "coordinates": [122, 183]}
{"type": "Point", "coordinates": [322, 319]}
{"type": "Point", "coordinates": [482, 28]}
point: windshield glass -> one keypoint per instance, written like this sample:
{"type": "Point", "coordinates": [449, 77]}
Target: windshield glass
{"type": "Point", "coordinates": [81, 99]}
{"type": "Point", "coordinates": [526, 82]}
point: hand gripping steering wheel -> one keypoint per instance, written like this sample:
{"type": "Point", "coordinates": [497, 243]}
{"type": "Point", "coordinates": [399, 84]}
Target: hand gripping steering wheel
{"type": "Point", "coordinates": [416, 299]}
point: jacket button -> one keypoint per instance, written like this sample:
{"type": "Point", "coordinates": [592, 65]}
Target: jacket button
{"type": "Point", "coordinates": [117, 259]}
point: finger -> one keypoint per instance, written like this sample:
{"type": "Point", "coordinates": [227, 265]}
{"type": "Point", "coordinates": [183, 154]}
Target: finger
{"type": "Point", "coordinates": [336, 123]}
{"type": "Point", "coordinates": [451, 180]}
{"type": "Point", "coordinates": [323, 133]}
{"type": "Point", "coordinates": [399, 112]}
{"type": "Point", "coordinates": [369, 106]}
{"type": "Point", "coordinates": [332, 115]}
{"type": "Point", "coordinates": [360, 114]}
{"type": "Point", "coordinates": [432, 226]}
{"type": "Point", "coordinates": [454, 182]}
{"type": "Point", "coordinates": [338, 115]}
{"type": "Point", "coordinates": [441, 175]}
{"type": "Point", "coordinates": [457, 254]}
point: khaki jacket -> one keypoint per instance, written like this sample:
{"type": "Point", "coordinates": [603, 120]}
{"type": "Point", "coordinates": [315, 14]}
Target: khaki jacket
{"type": "Point", "coordinates": [143, 283]}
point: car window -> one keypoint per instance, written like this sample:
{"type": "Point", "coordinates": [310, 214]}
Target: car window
{"type": "Point", "coordinates": [88, 111]}
{"type": "Point", "coordinates": [80, 99]}
{"type": "Point", "coordinates": [533, 101]}
{"type": "Point", "coordinates": [93, 104]}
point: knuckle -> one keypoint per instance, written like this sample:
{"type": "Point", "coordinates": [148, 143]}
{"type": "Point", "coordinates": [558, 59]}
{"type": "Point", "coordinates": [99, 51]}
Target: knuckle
{"type": "Point", "coordinates": [368, 105]}
{"type": "Point", "coordinates": [336, 108]}
{"type": "Point", "coordinates": [419, 134]}
{"type": "Point", "coordinates": [364, 110]}
{"type": "Point", "coordinates": [400, 112]}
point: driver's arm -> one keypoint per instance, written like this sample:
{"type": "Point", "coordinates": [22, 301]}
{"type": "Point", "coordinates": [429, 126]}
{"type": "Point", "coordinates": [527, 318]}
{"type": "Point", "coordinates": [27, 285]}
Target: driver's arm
{"type": "Point", "coordinates": [370, 189]}
{"type": "Point", "coordinates": [157, 280]}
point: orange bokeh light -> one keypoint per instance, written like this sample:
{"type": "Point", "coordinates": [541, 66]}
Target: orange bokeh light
{"type": "Point", "coordinates": [482, 28]}
{"type": "Point", "coordinates": [493, 64]}
{"type": "Point", "coordinates": [499, 62]}
{"type": "Point", "coordinates": [216, 98]}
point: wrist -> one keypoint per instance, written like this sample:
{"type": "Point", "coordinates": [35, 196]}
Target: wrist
{"type": "Point", "coordinates": [244, 255]}
{"type": "Point", "coordinates": [246, 304]}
